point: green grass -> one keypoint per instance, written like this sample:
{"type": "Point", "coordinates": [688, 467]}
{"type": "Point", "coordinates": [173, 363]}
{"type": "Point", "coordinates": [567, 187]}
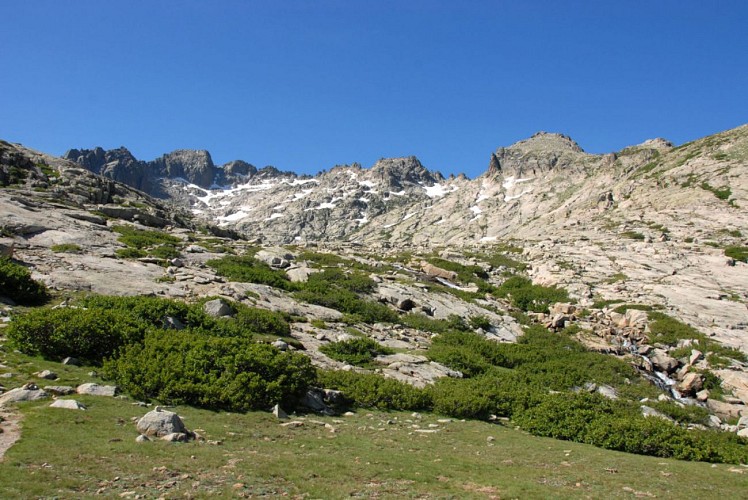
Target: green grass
{"type": "Point", "coordinates": [633, 235]}
{"type": "Point", "coordinates": [370, 454]}
{"type": "Point", "coordinates": [722, 193]}
{"type": "Point", "coordinates": [738, 253]}
{"type": "Point", "coordinates": [66, 248]}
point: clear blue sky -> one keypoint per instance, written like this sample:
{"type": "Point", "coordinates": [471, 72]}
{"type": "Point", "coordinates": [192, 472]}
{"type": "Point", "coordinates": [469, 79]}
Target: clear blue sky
{"type": "Point", "coordinates": [305, 85]}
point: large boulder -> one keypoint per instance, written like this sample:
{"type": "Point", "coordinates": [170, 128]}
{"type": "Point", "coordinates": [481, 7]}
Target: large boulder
{"type": "Point", "coordinates": [159, 423]}
{"type": "Point", "coordinates": [438, 272]}
{"type": "Point", "coordinates": [69, 404]}
{"type": "Point", "coordinates": [29, 392]}
{"type": "Point", "coordinates": [217, 308]}
{"type": "Point", "coordinates": [691, 384]}
{"type": "Point", "coordinates": [94, 389]}
{"type": "Point", "coordinates": [663, 362]}
{"type": "Point", "coordinates": [275, 257]}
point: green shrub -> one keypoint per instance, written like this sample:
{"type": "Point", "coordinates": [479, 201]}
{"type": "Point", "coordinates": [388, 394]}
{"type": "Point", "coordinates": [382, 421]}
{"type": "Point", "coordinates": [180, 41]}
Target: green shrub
{"type": "Point", "coordinates": [130, 253]}
{"type": "Point", "coordinates": [374, 391]}
{"type": "Point", "coordinates": [356, 351]}
{"type": "Point", "coordinates": [528, 297]}
{"type": "Point", "coordinates": [667, 330]}
{"type": "Point", "coordinates": [87, 334]}
{"type": "Point", "coordinates": [480, 322]}
{"type": "Point", "coordinates": [165, 251]}
{"type": "Point", "coordinates": [247, 269]}
{"type": "Point", "coordinates": [233, 374]}
{"type": "Point", "coordinates": [426, 324]}
{"type": "Point", "coordinates": [738, 253]}
{"type": "Point", "coordinates": [16, 283]}
{"type": "Point", "coordinates": [66, 248]}
{"type": "Point", "coordinates": [633, 235]}
{"type": "Point", "coordinates": [142, 238]}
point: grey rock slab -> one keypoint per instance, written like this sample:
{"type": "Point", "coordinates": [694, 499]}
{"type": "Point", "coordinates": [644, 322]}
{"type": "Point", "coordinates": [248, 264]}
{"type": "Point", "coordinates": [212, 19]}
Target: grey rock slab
{"type": "Point", "coordinates": [59, 390]}
{"type": "Point", "coordinates": [69, 404]}
{"type": "Point", "coordinates": [20, 394]}
{"type": "Point", "coordinates": [94, 389]}
{"type": "Point", "coordinates": [159, 423]}
{"type": "Point", "coordinates": [217, 308]}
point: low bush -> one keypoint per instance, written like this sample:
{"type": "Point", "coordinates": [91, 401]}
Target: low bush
{"type": "Point", "coordinates": [738, 253]}
{"type": "Point", "coordinates": [87, 334]}
{"type": "Point", "coordinates": [528, 297]}
{"type": "Point", "coordinates": [247, 269]}
{"type": "Point", "coordinates": [16, 284]}
{"type": "Point", "coordinates": [427, 324]}
{"type": "Point", "coordinates": [369, 390]}
{"type": "Point", "coordinates": [143, 238]}
{"type": "Point", "coordinates": [232, 374]}
{"type": "Point", "coordinates": [66, 248]}
{"type": "Point", "coordinates": [359, 351]}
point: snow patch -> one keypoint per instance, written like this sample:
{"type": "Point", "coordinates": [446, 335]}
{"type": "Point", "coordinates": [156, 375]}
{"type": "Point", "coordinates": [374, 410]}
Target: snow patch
{"type": "Point", "coordinates": [476, 210]}
{"type": "Point", "coordinates": [488, 238]}
{"type": "Point", "coordinates": [368, 184]}
{"type": "Point", "coordinates": [510, 181]}
{"type": "Point", "coordinates": [275, 215]}
{"type": "Point", "coordinates": [438, 190]}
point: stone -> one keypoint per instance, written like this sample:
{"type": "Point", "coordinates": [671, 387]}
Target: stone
{"type": "Point", "coordinates": [663, 362]}
{"type": "Point", "coordinates": [70, 404]}
{"type": "Point", "coordinates": [280, 344]}
{"type": "Point", "coordinates": [279, 413]}
{"type": "Point", "coordinates": [59, 390]}
{"type": "Point", "coordinates": [275, 257]}
{"type": "Point", "coordinates": [691, 383]}
{"type": "Point", "coordinates": [172, 323]}
{"type": "Point", "coordinates": [71, 361]}
{"type": "Point", "coordinates": [47, 375]}
{"type": "Point", "coordinates": [217, 308]}
{"type": "Point", "coordinates": [743, 422]}
{"type": "Point", "coordinates": [636, 318]}
{"type": "Point", "coordinates": [159, 423]}
{"type": "Point", "coordinates": [142, 439]}
{"type": "Point", "coordinates": [726, 411]}
{"type": "Point", "coordinates": [607, 391]}
{"type": "Point", "coordinates": [175, 437]}
{"type": "Point", "coordinates": [695, 356]}
{"type": "Point", "coordinates": [94, 389]}
{"type": "Point", "coordinates": [29, 392]}
{"type": "Point", "coordinates": [300, 274]}
{"type": "Point", "coordinates": [438, 272]}
{"type": "Point", "coordinates": [702, 395]}
{"type": "Point", "coordinates": [743, 433]}
{"type": "Point", "coordinates": [648, 411]}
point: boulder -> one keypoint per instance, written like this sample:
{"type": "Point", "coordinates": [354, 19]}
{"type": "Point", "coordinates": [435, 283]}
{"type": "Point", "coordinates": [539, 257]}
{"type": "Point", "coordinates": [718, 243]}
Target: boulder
{"type": "Point", "coordinates": [280, 344]}
{"type": "Point", "coordinates": [438, 272]}
{"type": "Point", "coordinates": [726, 411]}
{"type": "Point", "coordinates": [300, 274]}
{"type": "Point", "coordinates": [159, 423]}
{"type": "Point", "coordinates": [217, 308]}
{"type": "Point", "coordinates": [275, 257]}
{"type": "Point", "coordinates": [648, 411]}
{"type": "Point", "coordinates": [59, 390]}
{"type": "Point", "coordinates": [29, 392]}
{"type": "Point", "coordinates": [279, 413]}
{"type": "Point", "coordinates": [70, 404]}
{"type": "Point", "coordinates": [46, 374]}
{"type": "Point", "coordinates": [94, 389]}
{"type": "Point", "coordinates": [562, 308]}
{"type": "Point", "coordinates": [662, 361]}
{"type": "Point", "coordinates": [71, 361]}
{"type": "Point", "coordinates": [636, 319]}
{"type": "Point", "coordinates": [692, 383]}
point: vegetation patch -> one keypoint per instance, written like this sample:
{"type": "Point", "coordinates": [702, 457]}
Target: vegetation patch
{"type": "Point", "coordinates": [16, 284]}
{"type": "Point", "coordinates": [247, 269]}
{"type": "Point", "coordinates": [633, 235]}
{"type": "Point", "coordinates": [722, 193]}
{"type": "Point", "coordinates": [359, 351]}
{"type": "Point", "coordinates": [738, 253]}
{"type": "Point", "coordinates": [528, 297]}
{"type": "Point", "coordinates": [233, 374]}
{"type": "Point", "coordinates": [66, 248]}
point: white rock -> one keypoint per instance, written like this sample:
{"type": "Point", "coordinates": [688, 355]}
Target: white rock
{"type": "Point", "coordinates": [70, 404]}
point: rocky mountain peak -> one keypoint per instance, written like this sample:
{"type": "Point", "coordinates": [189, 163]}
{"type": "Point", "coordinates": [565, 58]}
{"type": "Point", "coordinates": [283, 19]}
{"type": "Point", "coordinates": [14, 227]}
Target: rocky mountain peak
{"type": "Point", "coordinates": [194, 165]}
{"type": "Point", "coordinates": [541, 152]}
{"type": "Point", "coordinates": [657, 143]}
{"type": "Point", "coordinates": [397, 172]}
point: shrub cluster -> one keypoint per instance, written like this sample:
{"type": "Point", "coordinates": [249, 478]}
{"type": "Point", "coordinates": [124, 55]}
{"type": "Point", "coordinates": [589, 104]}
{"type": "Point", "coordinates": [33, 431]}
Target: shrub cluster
{"type": "Point", "coordinates": [528, 297]}
{"type": "Point", "coordinates": [247, 269]}
{"type": "Point", "coordinates": [143, 242]}
{"type": "Point", "coordinates": [16, 283]}
{"type": "Point", "coordinates": [536, 384]}
{"type": "Point", "coordinates": [172, 351]}
{"type": "Point", "coordinates": [359, 351]}
{"type": "Point", "coordinates": [233, 374]}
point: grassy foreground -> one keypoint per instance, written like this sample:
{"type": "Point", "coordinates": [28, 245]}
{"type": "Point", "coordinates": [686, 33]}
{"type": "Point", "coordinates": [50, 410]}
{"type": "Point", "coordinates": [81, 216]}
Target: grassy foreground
{"type": "Point", "coordinates": [74, 454]}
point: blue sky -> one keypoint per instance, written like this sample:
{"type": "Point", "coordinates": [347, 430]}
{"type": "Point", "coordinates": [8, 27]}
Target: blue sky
{"type": "Point", "coordinates": [307, 85]}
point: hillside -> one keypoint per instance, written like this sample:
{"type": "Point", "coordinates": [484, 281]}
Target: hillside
{"type": "Point", "coordinates": [591, 298]}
